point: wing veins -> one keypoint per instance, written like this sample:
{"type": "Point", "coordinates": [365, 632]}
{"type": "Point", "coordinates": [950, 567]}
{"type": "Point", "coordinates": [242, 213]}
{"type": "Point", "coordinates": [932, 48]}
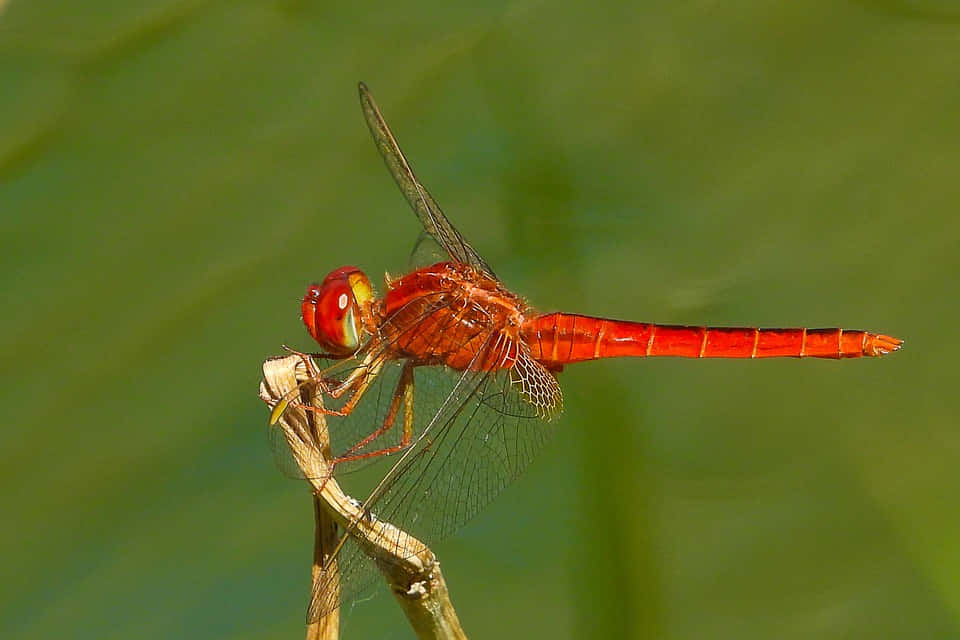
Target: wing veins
{"type": "Point", "coordinates": [428, 211]}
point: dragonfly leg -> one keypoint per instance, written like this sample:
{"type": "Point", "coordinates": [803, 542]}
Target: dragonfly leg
{"type": "Point", "coordinates": [357, 382]}
{"type": "Point", "coordinates": [304, 355]}
{"type": "Point", "coordinates": [330, 386]}
{"type": "Point", "coordinates": [402, 396]}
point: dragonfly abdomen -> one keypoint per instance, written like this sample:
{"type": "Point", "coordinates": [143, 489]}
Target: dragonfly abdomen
{"type": "Point", "coordinates": [557, 339]}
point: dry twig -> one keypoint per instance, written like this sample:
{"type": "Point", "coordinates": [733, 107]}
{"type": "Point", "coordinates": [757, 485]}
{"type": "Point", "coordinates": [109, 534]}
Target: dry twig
{"type": "Point", "coordinates": [410, 568]}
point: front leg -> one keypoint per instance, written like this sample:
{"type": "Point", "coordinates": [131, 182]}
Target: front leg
{"type": "Point", "coordinates": [357, 382]}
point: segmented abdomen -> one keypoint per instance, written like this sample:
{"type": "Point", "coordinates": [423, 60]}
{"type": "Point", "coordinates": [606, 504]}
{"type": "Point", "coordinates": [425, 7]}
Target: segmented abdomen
{"type": "Point", "coordinates": [561, 338]}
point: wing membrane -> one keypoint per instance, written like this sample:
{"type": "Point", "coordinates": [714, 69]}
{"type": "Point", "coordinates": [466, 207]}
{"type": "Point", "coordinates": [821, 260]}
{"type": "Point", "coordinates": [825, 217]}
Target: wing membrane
{"type": "Point", "coordinates": [476, 430]}
{"type": "Point", "coordinates": [428, 211]}
{"type": "Point", "coordinates": [483, 434]}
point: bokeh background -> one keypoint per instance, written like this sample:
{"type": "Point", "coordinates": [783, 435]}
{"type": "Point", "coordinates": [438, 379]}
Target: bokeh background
{"type": "Point", "coordinates": [172, 173]}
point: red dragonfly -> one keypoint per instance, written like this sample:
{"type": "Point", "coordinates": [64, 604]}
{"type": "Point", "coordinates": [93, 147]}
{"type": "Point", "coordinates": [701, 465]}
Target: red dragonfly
{"type": "Point", "coordinates": [477, 366]}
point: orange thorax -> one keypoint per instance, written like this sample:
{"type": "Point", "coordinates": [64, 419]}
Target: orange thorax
{"type": "Point", "coordinates": [449, 313]}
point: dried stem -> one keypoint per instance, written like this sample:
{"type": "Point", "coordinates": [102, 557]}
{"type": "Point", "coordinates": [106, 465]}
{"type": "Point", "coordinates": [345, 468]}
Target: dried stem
{"type": "Point", "coordinates": [409, 567]}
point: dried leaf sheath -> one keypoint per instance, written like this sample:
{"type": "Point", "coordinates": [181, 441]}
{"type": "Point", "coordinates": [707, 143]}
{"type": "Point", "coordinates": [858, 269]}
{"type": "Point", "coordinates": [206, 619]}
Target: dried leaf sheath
{"type": "Point", "coordinates": [410, 568]}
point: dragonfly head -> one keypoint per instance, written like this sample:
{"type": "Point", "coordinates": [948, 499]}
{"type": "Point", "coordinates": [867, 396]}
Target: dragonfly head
{"type": "Point", "coordinates": [334, 310]}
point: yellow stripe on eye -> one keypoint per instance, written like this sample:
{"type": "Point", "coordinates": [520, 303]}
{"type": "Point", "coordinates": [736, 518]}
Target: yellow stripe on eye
{"type": "Point", "coordinates": [360, 285]}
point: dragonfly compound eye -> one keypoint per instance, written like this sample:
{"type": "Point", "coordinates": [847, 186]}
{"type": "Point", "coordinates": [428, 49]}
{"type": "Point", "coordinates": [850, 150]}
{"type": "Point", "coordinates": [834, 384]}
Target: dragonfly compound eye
{"type": "Point", "coordinates": [333, 310]}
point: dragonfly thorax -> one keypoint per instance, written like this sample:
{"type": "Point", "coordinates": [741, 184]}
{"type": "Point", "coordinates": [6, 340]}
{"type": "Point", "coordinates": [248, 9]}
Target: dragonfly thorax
{"type": "Point", "coordinates": [333, 310]}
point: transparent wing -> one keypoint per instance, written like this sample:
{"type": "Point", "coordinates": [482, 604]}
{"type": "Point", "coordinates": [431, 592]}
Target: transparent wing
{"type": "Point", "coordinates": [476, 431]}
{"type": "Point", "coordinates": [426, 251]}
{"type": "Point", "coordinates": [483, 435]}
{"type": "Point", "coordinates": [428, 211]}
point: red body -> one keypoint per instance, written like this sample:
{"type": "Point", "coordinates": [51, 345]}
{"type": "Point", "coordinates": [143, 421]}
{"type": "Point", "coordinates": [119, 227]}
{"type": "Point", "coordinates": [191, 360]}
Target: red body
{"type": "Point", "coordinates": [444, 313]}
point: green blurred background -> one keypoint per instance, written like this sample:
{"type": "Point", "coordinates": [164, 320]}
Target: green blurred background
{"type": "Point", "coordinates": [172, 173]}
